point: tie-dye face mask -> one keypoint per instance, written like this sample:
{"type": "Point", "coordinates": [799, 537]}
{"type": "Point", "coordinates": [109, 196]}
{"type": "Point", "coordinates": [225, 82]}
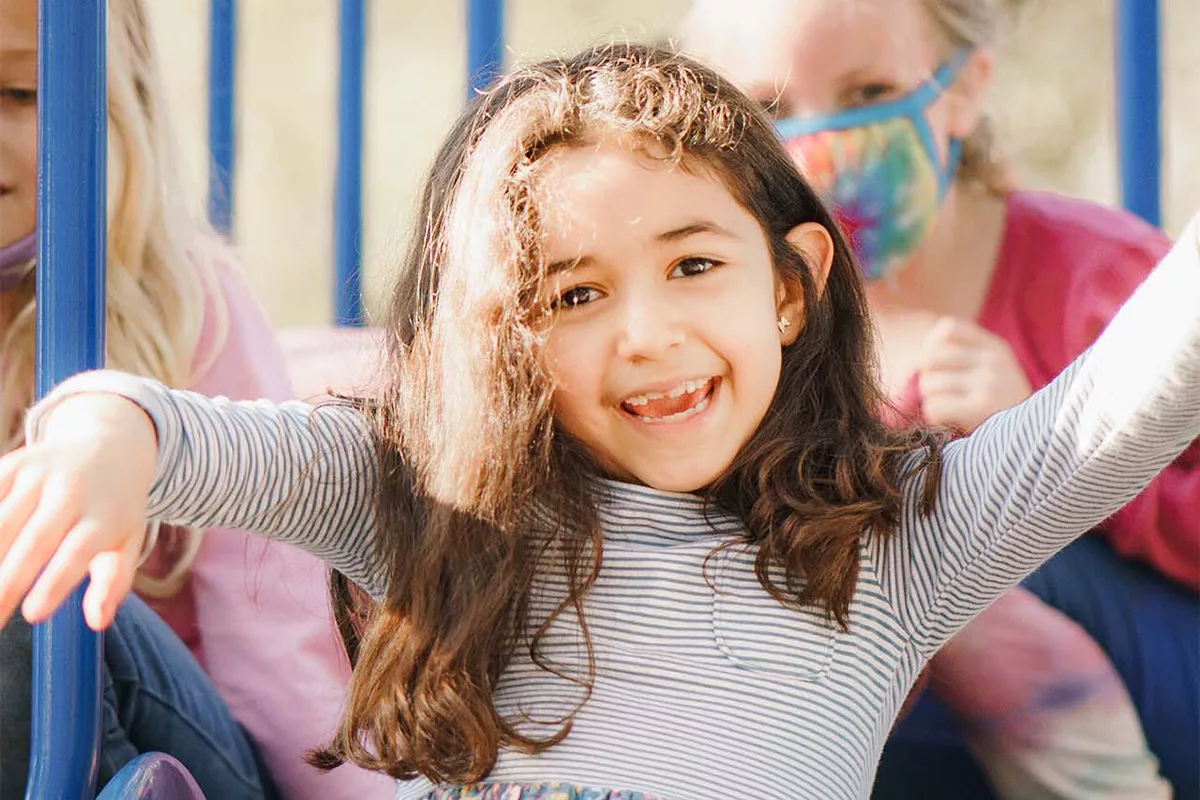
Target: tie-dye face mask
{"type": "Point", "coordinates": [880, 170]}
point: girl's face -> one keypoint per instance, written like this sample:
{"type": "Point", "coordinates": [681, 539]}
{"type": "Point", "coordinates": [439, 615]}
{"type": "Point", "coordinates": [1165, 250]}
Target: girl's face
{"type": "Point", "coordinates": [665, 345]}
{"type": "Point", "coordinates": [819, 57]}
{"type": "Point", "coordinates": [18, 119]}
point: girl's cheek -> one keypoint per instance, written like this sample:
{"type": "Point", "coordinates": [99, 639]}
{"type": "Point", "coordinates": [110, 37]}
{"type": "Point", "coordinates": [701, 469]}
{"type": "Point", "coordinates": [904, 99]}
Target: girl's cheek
{"type": "Point", "coordinates": [559, 368]}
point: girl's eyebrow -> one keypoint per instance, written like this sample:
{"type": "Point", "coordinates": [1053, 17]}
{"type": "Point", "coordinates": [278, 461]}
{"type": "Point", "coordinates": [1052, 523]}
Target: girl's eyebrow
{"type": "Point", "coordinates": [665, 237]}
{"type": "Point", "coordinates": [693, 228]}
{"type": "Point", "coordinates": [568, 264]}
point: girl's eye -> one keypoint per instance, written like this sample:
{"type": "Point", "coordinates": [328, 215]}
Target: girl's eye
{"type": "Point", "coordinates": [576, 296]}
{"type": "Point", "coordinates": [19, 96]}
{"type": "Point", "coordinates": [690, 267]}
{"type": "Point", "coordinates": [869, 94]}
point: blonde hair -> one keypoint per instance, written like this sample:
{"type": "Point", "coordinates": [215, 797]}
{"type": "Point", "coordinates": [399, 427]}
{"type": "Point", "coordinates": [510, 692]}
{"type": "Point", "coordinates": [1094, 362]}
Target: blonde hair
{"type": "Point", "coordinates": [160, 256]}
{"type": "Point", "coordinates": [972, 24]}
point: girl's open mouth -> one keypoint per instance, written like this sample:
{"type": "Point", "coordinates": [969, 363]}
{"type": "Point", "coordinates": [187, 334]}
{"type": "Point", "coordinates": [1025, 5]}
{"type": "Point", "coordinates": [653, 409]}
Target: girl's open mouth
{"type": "Point", "coordinates": [680, 403]}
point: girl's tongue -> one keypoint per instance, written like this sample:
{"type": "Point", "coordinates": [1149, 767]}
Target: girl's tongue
{"type": "Point", "coordinates": [669, 404]}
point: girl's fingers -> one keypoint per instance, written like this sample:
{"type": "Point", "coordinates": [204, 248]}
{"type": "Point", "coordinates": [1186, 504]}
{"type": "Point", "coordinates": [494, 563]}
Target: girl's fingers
{"type": "Point", "coordinates": [9, 464]}
{"type": "Point", "coordinates": [53, 517]}
{"type": "Point", "coordinates": [15, 510]}
{"type": "Point", "coordinates": [15, 575]}
{"type": "Point", "coordinates": [65, 571]}
{"type": "Point", "coordinates": [112, 580]}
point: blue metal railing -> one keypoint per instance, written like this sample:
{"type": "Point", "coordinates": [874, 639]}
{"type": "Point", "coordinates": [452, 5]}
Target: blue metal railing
{"type": "Point", "coordinates": [222, 97]}
{"type": "Point", "coordinates": [1139, 104]}
{"type": "Point", "coordinates": [72, 179]}
{"type": "Point", "coordinates": [485, 47]}
{"type": "Point", "coordinates": [153, 776]}
{"type": "Point", "coordinates": [485, 43]}
{"type": "Point", "coordinates": [347, 195]}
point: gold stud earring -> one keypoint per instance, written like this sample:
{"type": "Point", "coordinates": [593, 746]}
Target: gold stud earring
{"type": "Point", "coordinates": [784, 323]}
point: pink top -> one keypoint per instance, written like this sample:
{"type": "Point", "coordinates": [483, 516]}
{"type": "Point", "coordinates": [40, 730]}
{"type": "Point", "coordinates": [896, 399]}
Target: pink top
{"type": "Point", "coordinates": [1065, 267]}
{"type": "Point", "coordinates": [268, 639]}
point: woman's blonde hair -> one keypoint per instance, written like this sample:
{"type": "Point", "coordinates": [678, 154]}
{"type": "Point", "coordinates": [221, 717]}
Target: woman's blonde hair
{"type": "Point", "coordinates": [971, 24]}
{"type": "Point", "coordinates": [160, 255]}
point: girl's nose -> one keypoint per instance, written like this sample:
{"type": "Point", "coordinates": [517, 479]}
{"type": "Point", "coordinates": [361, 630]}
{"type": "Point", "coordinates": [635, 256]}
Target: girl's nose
{"type": "Point", "coordinates": [649, 326]}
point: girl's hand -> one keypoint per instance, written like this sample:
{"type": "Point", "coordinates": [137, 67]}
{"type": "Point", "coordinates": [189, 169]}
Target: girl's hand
{"type": "Point", "coordinates": [74, 504]}
{"type": "Point", "coordinates": [967, 374]}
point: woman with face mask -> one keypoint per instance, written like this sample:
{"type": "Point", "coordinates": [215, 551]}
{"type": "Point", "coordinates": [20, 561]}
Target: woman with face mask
{"type": "Point", "coordinates": [981, 293]}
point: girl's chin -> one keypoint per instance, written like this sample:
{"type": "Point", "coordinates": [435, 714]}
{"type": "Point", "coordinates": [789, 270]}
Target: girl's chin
{"type": "Point", "coordinates": [670, 479]}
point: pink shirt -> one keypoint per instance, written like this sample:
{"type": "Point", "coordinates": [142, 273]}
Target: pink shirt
{"type": "Point", "coordinates": [1064, 269]}
{"type": "Point", "coordinates": [261, 608]}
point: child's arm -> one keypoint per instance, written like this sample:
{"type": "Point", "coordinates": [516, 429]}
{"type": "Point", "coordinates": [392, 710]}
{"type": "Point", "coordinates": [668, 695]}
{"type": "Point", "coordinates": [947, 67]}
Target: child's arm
{"type": "Point", "coordinates": [1160, 526]}
{"type": "Point", "coordinates": [291, 471]}
{"type": "Point", "coordinates": [75, 499]}
{"type": "Point", "coordinates": [1032, 478]}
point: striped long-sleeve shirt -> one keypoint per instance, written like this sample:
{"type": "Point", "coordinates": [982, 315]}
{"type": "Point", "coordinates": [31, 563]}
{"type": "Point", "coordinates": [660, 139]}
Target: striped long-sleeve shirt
{"type": "Point", "coordinates": [708, 690]}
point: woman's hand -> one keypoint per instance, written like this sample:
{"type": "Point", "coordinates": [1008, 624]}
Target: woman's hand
{"type": "Point", "coordinates": [74, 504]}
{"type": "Point", "coordinates": [966, 375]}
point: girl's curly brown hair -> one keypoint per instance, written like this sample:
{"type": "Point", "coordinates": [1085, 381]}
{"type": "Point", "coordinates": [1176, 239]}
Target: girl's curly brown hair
{"type": "Point", "coordinates": [467, 439]}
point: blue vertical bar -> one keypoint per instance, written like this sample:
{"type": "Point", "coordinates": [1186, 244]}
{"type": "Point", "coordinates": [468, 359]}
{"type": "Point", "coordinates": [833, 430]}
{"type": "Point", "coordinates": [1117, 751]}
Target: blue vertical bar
{"type": "Point", "coordinates": [347, 193]}
{"type": "Point", "coordinates": [222, 50]}
{"type": "Point", "coordinates": [72, 130]}
{"type": "Point", "coordinates": [485, 43]}
{"type": "Point", "coordinates": [1139, 98]}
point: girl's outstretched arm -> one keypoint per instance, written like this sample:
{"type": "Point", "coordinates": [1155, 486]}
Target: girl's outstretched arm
{"type": "Point", "coordinates": [73, 501]}
{"type": "Point", "coordinates": [1036, 476]}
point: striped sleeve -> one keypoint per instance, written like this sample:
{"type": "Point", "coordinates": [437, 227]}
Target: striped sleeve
{"type": "Point", "coordinates": [294, 472]}
{"type": "Point", "coordinates": [1036, 476]}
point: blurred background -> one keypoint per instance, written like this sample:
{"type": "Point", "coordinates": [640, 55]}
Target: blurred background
{"type": "Point", "coordinates": [1053, 101]}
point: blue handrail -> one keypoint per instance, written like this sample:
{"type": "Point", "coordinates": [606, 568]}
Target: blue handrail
{"type": "Point", "coordinates": [152, 776]}
{"type": "Point", "coordinates": [222, 93]}
{"type": "Point", "coordinates": [72, 131]}
{"type": "Point", "coordinates": [485, 43]}
{"type": "Point", "coordinates": [1139, 103]}
{"type": "Point", "coordinates": [347, 197]}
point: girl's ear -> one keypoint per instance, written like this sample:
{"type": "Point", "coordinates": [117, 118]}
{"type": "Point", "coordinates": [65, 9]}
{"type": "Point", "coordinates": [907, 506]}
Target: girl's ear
{"type": "Point", "coordinates": [814, 243]}
{"type": "Point", "coordinates": [968, 92]}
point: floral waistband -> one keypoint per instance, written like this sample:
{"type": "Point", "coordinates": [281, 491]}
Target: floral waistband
{"type": "Point", "coordinates": [539, 791]}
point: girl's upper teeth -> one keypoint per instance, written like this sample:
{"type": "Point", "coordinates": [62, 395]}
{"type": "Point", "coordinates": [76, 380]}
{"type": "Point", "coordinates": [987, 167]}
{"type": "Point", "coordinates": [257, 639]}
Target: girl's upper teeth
{"type": "Point", "coordinates": [687, 387]}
